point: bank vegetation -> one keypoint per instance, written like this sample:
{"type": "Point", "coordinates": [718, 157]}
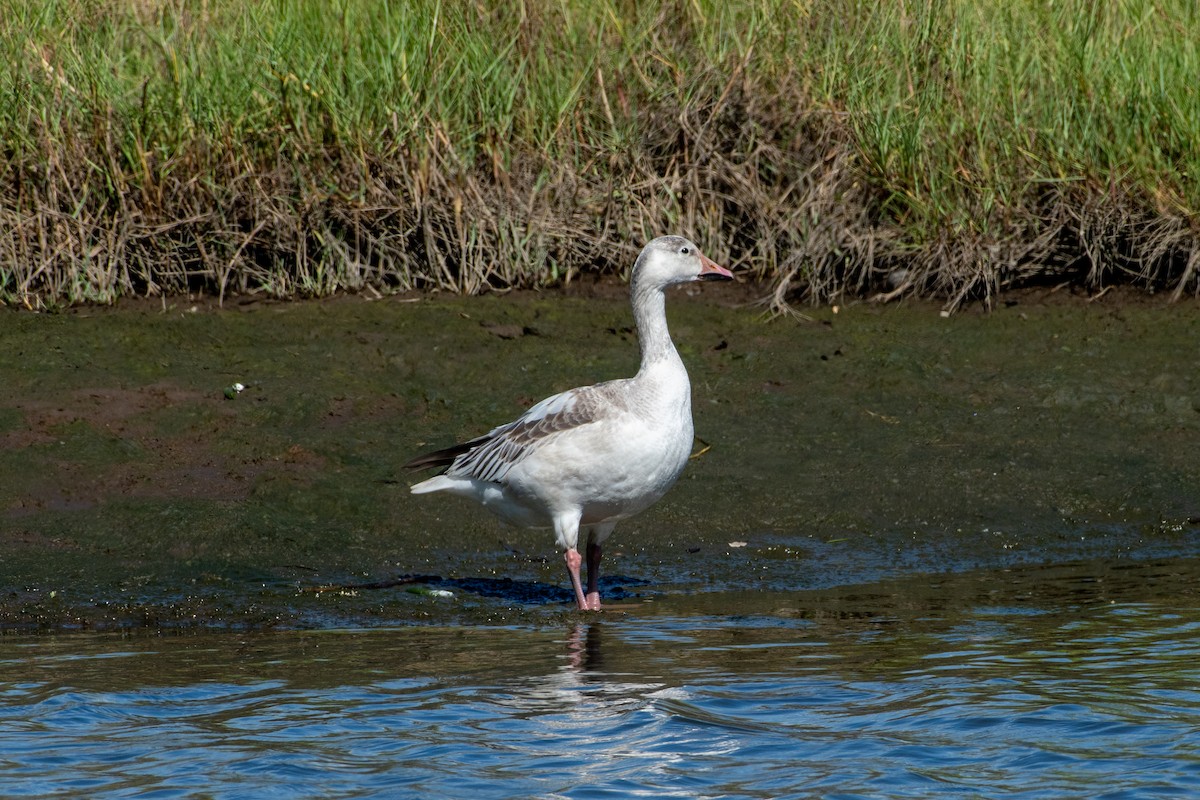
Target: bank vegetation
{"type": "Point", "coordinates": [945, 148]}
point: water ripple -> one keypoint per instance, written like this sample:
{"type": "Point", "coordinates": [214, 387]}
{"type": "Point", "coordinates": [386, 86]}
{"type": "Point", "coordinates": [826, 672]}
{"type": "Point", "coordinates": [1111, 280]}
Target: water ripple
{"type": "Point", "coordinates": [1078, 700]}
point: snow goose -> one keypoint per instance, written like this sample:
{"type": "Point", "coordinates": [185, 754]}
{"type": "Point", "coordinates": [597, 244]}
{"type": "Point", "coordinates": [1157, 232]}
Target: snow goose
{"type": "Point", "coordinates": [593, 456]}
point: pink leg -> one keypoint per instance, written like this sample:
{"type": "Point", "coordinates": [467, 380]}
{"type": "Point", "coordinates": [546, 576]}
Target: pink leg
{"type": "Point", "coordinates": [574, 560]}
{"type": "Point", "coordinates": [593, 576]}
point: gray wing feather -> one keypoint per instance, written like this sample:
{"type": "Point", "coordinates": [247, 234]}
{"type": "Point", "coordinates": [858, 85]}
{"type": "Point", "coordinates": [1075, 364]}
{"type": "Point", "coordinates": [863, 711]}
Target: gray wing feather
{"type": "Point", "coordinates": [506, 446]}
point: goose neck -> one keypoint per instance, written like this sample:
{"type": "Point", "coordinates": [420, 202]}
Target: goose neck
{"type": "Point", "coordinates": [650, 315]}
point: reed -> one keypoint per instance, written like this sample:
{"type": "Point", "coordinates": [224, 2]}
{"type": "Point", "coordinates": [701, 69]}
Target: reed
{"type": "Point", "coordinates": [950, 148]}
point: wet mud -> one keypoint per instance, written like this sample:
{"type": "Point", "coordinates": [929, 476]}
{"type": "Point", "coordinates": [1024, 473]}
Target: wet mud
{"type": "Point", "coordinates": [139, 487]}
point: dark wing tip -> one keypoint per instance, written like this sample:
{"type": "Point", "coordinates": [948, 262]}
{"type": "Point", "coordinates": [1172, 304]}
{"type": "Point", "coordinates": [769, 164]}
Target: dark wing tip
{"type": "Point", "coordinates": [439, 458]}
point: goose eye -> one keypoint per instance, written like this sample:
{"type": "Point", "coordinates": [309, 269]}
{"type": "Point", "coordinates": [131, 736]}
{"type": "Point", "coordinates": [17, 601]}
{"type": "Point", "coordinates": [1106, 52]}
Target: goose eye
{"type": "Point", "coordinates": [684, 250]}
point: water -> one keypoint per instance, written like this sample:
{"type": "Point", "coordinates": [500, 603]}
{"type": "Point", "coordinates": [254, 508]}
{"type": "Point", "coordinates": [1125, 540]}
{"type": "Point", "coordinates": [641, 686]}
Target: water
{"type": "Point", "coordinates": [1078, 680]}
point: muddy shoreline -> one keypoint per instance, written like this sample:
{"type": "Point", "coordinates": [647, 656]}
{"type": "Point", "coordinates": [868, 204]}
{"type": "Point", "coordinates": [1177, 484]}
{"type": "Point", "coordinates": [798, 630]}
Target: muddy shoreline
{"type": "Point", "coordinates": [853, 447]}
{"type": "Point", "coordinates": [747, 294]}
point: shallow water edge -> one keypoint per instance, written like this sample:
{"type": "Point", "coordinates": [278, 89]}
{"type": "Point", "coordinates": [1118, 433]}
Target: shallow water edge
{"type": "Point", "coordinates": [1057, 682]}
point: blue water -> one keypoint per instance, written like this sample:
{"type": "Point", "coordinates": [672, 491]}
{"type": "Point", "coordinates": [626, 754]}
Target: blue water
{"type": "Point", "coordinates": [1073, 681]}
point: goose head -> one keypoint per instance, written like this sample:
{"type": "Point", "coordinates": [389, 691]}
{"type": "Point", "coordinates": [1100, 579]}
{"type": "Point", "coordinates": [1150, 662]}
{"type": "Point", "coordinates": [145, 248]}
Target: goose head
{"type": "Point", "coordinates": [669, 260]}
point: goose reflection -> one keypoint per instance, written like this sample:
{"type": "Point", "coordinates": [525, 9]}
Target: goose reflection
{"type": "Point", "coordinates": [585, 651]}
{"type": "Point", "coordinates": [583, 685]}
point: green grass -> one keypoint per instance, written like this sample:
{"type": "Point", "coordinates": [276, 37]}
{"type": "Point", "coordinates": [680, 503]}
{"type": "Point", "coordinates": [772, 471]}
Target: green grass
{"type": "Point", "coordinates": [972, 104]}
{"type": "Point", "coordinates": [946, 147]}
